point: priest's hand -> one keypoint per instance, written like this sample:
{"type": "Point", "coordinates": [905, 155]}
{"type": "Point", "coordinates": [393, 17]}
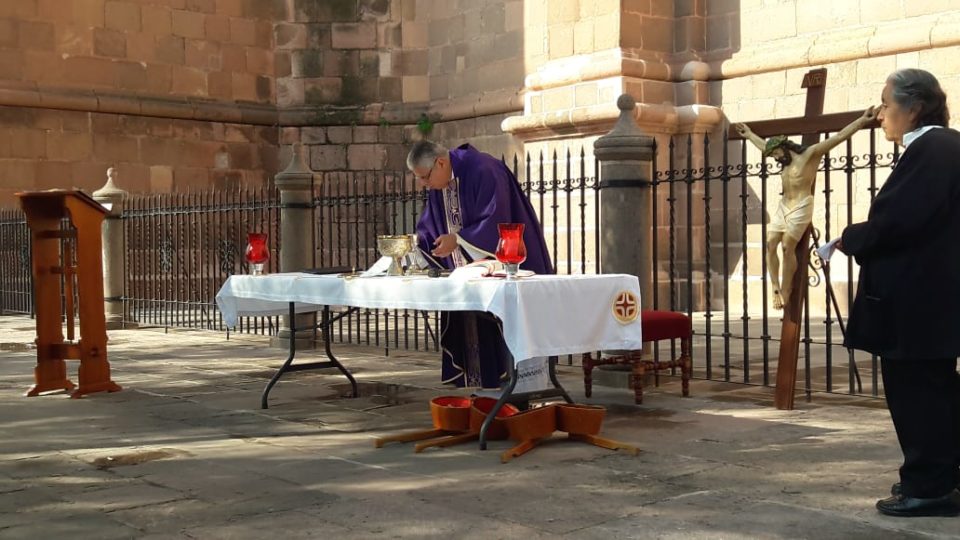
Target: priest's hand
{"type": "Point", "coordinates": [444, 245]}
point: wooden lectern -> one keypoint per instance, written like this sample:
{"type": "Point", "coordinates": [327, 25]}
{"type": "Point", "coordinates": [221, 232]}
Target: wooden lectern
{"type": "Point", "coordinates": [67, 259]}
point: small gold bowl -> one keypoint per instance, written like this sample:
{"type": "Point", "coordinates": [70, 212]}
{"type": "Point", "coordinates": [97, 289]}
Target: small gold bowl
{"type": "Point", "coordinates": [395, 246]}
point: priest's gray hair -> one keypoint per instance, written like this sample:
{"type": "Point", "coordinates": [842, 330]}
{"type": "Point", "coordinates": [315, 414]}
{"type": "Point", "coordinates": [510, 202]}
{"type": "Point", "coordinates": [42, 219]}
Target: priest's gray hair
{"type": "Point", "coordinates": [424, 154]}
{"type": "Point", "coordinates": [919, 89]}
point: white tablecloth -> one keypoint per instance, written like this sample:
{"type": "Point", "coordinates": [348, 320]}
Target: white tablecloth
{"type": "Point", "coordinates": [542, 315]}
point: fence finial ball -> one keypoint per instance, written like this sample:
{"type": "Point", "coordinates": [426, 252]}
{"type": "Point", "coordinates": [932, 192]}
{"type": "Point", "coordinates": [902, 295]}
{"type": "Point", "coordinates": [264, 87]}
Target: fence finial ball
{"type": "Point", "coordinates": [626, 102]}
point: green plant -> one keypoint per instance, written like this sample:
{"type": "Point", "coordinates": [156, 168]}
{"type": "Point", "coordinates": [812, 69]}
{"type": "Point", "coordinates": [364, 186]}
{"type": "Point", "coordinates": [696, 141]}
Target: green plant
{"type": "Point", "coordinates": [424, 125]}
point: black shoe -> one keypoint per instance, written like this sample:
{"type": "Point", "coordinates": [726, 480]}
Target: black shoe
{"type": "Point", "coordinates": [901, 506]}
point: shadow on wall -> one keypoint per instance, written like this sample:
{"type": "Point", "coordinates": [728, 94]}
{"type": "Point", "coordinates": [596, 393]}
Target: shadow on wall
{"type": "Point", "coordinates": [690, 216]}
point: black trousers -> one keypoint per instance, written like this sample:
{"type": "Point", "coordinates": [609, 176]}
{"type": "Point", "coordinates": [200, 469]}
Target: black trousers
{"type": "Point", "coordinates": [924, 401]}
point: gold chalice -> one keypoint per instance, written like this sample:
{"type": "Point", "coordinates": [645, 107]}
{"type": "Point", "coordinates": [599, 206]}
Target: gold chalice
{"type": "Point", "coordinates": [395, 246]}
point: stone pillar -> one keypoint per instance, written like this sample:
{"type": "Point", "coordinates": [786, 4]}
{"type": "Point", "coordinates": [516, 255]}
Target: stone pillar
{"type": "Point", "coordinates": [626, 220]}
{"type": "Point", "coordinates": [112, 197]}
{"type": "Point", "coordinates": [296, 219]}
{"type": "Point", "coordinates": [626, 223]}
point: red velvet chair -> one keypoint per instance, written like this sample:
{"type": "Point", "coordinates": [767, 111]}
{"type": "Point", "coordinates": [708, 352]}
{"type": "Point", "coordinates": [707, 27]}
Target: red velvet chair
{"type": "Point", "coordinates": [654, 326]}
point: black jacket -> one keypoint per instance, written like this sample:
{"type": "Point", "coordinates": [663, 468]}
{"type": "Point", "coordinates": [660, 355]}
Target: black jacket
{"type": "Point", "coordinates": [908, 298]}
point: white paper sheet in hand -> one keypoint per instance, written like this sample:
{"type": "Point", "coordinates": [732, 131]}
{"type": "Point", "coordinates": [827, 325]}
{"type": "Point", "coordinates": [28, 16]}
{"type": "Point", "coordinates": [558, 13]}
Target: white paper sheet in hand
{"type": "Point", "coordinates": [826, 251]}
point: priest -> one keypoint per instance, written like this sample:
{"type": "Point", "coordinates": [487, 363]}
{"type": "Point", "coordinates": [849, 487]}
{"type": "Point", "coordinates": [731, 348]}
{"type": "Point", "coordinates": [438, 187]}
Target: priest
{"type": "Point", "coordinates": [470, 193]}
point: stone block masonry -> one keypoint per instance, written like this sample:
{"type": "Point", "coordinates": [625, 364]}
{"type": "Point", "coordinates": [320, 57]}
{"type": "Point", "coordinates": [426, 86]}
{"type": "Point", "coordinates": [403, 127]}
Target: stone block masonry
{"type": "Point", "coordinates": [64, 64]}
{"type": "Point", "coordinates": [344, 75]}
{"type": "Point", "coordinates": [44, 149]}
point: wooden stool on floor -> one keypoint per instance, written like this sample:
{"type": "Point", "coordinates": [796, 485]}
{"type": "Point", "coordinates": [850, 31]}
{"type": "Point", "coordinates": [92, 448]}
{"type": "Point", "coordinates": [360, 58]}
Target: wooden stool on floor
{"type": "Point", "coordinates": [654, 326]}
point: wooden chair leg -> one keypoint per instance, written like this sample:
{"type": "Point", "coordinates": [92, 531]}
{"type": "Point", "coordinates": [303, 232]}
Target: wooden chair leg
{"type": "Point", "coordinates": [638, 371]}
{"type": "Point", "coordinates": [686, 365]}
{"type": "Point", "coordinates": [446, 441]}
{"type": "Point", "coordinates": [519, 450]}
{"type": "Point", "coordinates": [410, 436]}
{"type": "Point", "coordinates": [587, 362]}
{"type": "Point", "coordinates": [605, 443]}
{"type": "Point", "coordinates": [656, 372]}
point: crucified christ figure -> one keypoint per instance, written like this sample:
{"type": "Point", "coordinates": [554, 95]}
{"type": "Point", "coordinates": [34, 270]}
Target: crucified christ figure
{"type": "Point", "coordinates": [795, 210]}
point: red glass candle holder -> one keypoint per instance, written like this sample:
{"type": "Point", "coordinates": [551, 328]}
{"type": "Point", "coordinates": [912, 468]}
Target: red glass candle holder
{"type": "Point", "coordinates": [511, 250]}
{"type": "Point", "coordinates": [257, 253]}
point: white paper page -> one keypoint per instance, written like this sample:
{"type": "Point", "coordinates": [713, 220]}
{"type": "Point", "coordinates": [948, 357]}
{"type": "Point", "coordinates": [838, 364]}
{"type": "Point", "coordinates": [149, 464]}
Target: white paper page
{"type": "Point", "coordinates": [379, 268]}
{"type": "Point", "coordinates": [476, 269]}
{"type": "Point", "coordinates": [826, 251]}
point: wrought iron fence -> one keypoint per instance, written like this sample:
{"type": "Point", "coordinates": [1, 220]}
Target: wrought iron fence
{"type": "Point", "coordinates": [16, 280]}
{"type": "Point", "coordinates": [351, 209]}
{"type": "Point", "coordinates": [181, 247]}
{"type": "Point", "coordinates": [710, 204]}
{"type": "Point", "coordinates": [723, 284]}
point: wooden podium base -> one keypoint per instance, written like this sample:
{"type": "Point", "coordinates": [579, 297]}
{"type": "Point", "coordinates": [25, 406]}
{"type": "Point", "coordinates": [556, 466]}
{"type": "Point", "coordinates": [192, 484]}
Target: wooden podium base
{"type": "Point", "coordinates": [94, 375]}
{"type": "Point", "coordinates": [75, 391]}
{"type": "Point", "coordinates": [83, 390]}
{"type": "Point", "coordinates": [38, 389]}
{"type": "Point", "coordinates": [109, 386]}
{"type": "Point", "coordinates": [50, 375]}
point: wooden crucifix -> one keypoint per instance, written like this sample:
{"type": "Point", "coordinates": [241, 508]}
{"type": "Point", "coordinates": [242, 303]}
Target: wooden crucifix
{"type": "Point", "coordinates": [792, 220]}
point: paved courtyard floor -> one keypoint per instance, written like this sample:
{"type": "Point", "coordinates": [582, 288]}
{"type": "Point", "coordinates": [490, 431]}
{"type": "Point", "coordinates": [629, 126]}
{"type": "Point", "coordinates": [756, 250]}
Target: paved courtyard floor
{"type": "Point", "coordinates": [184, 451]}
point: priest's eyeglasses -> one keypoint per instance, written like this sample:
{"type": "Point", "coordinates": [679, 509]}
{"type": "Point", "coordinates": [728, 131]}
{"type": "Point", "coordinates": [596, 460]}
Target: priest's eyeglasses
{"type": "Point", "coordinates": [425, 178]}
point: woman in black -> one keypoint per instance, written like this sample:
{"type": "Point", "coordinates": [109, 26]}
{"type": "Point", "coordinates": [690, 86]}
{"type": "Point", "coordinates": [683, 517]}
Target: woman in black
{"type": "Point", "coordinates": [907, 308]}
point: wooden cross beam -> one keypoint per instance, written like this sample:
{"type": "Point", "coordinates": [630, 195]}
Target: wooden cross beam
{"type": "Point", "coordinates": [815, 81]}
{"type": "Point", "coordinates": [801, 125]}
{"type": "Point", "coordinates": [811, 123]}
{"type": "Point", "coordinates": [810, 126]}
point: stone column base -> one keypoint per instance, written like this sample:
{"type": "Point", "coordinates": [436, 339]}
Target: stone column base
{"type": "Point", "coordinates": [305, 340]}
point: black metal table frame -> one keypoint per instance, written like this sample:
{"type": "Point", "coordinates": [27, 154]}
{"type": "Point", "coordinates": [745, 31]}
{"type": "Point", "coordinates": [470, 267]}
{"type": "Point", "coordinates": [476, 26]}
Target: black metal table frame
{"type": "Point", "coordinates": [326, 321]}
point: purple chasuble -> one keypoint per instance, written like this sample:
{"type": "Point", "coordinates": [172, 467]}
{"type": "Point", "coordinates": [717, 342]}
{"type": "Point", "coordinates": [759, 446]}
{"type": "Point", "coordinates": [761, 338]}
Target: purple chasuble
{"type": "Point", "coordinates": [489, 194]}
{"type": "Point", "coordinates": [482, 194]}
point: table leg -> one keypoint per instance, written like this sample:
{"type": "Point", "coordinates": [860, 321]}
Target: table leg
{"type": "Point", "coordinates": [508, 396]}
{"type": "Point", "coordinates": [286, 365]}
{"type": "Point", "coordinates": [326, 324]}
{"type": "Point", "coordinates": [556, 383]}
{"type": "Point", "coordinates": [504, 397]}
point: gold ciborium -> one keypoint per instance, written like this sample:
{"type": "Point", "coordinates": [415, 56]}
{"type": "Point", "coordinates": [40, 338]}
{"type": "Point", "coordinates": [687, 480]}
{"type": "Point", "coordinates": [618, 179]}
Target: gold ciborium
{"type": "Point", "coordinates": [396, 247]}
